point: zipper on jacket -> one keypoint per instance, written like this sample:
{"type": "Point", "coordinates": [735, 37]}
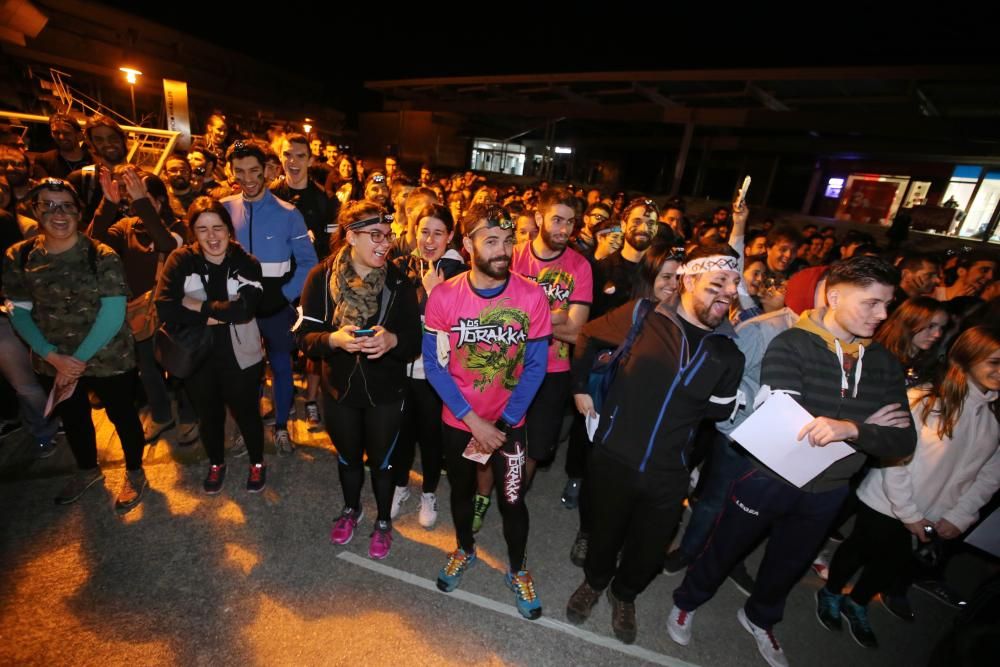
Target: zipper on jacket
{"type": "Point", "coordinates": [611, 424]}
{"type": "Point", "coordinates": [682, 371]}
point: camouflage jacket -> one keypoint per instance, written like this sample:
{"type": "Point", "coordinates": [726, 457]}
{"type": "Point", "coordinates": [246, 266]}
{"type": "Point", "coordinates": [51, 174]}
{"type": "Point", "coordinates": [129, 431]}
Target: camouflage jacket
{"type": "Point", "coordinates": [64, 294]}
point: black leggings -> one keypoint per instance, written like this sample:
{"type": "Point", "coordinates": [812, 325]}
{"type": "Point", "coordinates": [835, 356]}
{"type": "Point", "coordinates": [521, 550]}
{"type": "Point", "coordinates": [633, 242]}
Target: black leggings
{"type": "Point", "coordinates": [421, 422]}
{"type": "Point", "coordinates": [116, 393]}
{"type": "Point", "coordinates": [358, 431]}
{"type": "Point", "coordinates": [880, 545]}
{"type": "Point", "coordinates": [221, 383]}
{"type": "Point", "coordinates": [511, 480]}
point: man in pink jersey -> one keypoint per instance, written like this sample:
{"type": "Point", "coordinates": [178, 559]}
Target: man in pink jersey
{"type": "Point", "coordinates": [485, 352]}
{"type": "Point", "coordinates": [565, 276]}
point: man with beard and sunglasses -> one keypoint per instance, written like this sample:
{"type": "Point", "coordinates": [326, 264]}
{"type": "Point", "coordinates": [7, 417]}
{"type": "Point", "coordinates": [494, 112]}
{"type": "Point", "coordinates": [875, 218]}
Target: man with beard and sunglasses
{"type": "Point", "coordinates": [485, 350]}
{"type": "Point", "coordinates": [683, 367]}
{"type": "Point", "coordinates": [614, 275]}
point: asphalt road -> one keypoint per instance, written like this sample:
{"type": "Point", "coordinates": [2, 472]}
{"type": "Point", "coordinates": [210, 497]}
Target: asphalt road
{"type": "Point", "coordinates": [237, 579]}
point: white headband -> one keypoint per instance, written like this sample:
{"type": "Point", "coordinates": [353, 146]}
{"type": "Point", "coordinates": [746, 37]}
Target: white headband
{"type": "Point", "coordinates": [710, 263]}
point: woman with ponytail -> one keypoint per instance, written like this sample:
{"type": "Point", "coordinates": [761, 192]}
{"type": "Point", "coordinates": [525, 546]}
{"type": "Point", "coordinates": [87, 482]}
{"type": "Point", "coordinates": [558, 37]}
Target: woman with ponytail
{"type": "Point", "coordinates": [953, 472]}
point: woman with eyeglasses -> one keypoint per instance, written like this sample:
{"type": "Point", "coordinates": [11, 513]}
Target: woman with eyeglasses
{"type": "Point", "coordinates": [360, 317]}
{"type": "Point", "coordinates": [69, 295]}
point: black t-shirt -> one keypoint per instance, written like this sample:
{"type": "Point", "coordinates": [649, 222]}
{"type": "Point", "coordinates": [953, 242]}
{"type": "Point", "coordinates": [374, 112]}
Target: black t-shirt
{"type": "Point", "coordinates": [313, 204]}
{"type": "Point", "coordinates": [614, 277]}
{"type": "Point", "coordinates": [692, 333]}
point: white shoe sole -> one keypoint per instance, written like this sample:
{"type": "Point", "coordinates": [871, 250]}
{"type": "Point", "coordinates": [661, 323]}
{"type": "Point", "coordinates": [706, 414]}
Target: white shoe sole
{"type": "Point", "coordinates": [676, 635]}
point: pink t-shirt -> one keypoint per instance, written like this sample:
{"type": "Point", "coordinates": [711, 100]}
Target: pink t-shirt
{"type": "Point", "coordinates": [487, 339]}
{"type": "Point", "coordinates": [566, 279]}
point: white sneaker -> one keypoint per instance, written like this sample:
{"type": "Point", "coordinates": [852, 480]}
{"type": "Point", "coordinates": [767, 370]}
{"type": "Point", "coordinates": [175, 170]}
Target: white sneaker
{"type": "Point", "coordinates": [679, 625]}
{"type": "Point", "coordinates": [767, 645]}
{"type": "Point", "coordinates": [428, 510]}
{"type": "Point", "coordinates": [399, 496]}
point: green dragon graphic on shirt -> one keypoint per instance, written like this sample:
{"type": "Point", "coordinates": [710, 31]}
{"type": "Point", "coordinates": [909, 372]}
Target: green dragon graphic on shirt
{"type": "Point", "coordinates": [494, 361]}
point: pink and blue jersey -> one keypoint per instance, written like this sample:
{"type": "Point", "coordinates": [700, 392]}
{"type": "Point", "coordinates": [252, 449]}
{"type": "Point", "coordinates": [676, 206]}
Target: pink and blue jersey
{"type": "Point", "coordinates": [566, 279]}
{"type": "Point", "coordinates": [496, 346]}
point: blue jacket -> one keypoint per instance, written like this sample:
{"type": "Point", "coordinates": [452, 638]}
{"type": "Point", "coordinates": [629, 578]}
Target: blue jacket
{"type": "Point", "coordinates": [275, 233]}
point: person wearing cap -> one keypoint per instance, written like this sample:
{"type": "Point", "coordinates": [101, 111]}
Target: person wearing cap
{"type": "Point", "coordinates": [485, 348]}
{"type": "Point", "coordinates": [683, 367]}
{"type": "Point", "coordinates": [69, 294]}
{"type": "Point", "coordinates": [360, 318]}
{"type": "Point", "coordinates": [273, 231]}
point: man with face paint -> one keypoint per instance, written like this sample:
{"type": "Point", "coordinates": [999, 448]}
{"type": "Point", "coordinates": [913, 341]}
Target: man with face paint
{"type": "Point", "coordinates": [108, 145]}
{"type": "Point", "coordinates": [69, 153]}
{"type": "Point", "coordinates": [179, 186]}
{"type": "Point", "coordinates": [615, 274]}
{"type": "Point", "coordinates": [683, 367]}
{"type": "Point", "coordinates": [829, 364]}
{"type": "Point", "coordinates": [275, 233]}
{"type": "Point", "coordinates": [485, 350]}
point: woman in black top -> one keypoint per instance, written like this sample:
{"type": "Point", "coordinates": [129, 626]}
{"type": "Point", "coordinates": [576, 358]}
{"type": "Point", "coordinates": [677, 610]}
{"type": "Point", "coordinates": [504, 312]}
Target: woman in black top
{"type": "Point", "coordinates": [359, 315]}
{"type": "Point", "coordinates": [214, 282]}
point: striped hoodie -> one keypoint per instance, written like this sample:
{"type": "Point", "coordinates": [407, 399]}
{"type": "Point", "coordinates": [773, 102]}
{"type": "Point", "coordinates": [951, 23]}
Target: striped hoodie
{"type": "Point", "coordinates": [842, 380]}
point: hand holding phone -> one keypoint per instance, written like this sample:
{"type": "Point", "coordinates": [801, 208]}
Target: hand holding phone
{"type": "Point", "coordinates": [363, 333]}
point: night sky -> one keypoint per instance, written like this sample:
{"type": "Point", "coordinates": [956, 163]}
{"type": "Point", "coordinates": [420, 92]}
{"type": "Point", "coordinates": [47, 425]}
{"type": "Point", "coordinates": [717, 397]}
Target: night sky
{"type": "Point", "coordinates": [567, 37]}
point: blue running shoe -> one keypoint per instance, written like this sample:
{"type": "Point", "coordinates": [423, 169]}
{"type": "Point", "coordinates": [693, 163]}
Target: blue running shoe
{"type": "Point", "coordinates": [524, 588]}
{"type": "Point", "coordinates": [450, 575]}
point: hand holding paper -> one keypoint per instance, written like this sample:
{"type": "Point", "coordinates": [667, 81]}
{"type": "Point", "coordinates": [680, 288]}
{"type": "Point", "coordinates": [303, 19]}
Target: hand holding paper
{"type": "Point", "coordinates": [774, 434]}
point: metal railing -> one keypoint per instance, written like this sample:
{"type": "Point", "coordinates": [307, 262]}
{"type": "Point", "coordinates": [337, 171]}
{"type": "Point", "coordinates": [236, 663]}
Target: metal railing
{"type": "Point", "coordinates": [148, 148]}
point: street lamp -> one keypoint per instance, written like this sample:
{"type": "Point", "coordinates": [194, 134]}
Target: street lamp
{"type": "Point", "coordinates": [131, 76]}
{"type": "Point", "coordinates": [306, 127]}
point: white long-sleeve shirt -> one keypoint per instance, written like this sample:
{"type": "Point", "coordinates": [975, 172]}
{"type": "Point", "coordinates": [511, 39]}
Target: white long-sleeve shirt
{"type": "Point", "coordinates": [947, 478]}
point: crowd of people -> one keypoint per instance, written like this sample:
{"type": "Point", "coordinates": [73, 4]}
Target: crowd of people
{"type": "Point", "coordinates": [485, 326]}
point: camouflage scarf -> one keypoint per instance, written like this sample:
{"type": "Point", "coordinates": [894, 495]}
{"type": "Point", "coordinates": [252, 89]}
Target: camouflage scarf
{"type": "Point", "coordinates": [355, 298]}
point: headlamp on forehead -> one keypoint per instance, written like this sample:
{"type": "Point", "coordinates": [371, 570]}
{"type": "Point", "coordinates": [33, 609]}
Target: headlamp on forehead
{"type": "Point", "coordinates": [53, 185]}
{"type": "Point", "coordinates": [493, 217]}
{"type": "Point", "coordinates": [377, 178]}
{"type": "Point", "coordinates": [646, 204]}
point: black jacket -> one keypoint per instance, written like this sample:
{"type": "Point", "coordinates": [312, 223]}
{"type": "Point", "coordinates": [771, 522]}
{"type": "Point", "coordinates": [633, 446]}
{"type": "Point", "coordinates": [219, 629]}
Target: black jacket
{"type": "Point", "coordinates": [663, 389]}
{"type": "Point", "coordinates": [353, 379]}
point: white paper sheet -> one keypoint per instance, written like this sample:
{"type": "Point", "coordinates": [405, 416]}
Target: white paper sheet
{"type": "Point", "coordinates": [770, 435]}
{"type": "Point", "coordinates": [591, 423]}
{"type": "Point", "coordinates": [986, 536]}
